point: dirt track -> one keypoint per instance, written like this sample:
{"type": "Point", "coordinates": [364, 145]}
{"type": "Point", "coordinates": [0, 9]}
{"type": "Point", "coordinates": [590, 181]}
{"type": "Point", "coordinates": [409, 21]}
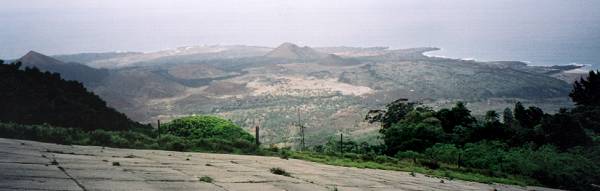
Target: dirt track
{"type": "Point", "coordinates": [28, 165]}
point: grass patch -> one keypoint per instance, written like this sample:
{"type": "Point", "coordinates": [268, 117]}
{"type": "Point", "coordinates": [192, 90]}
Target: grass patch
{"type": "Point", "coordinates": [444, 171]}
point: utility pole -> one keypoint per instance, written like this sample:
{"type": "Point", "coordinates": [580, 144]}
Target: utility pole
{"type": "Point", "coordinates": [301, 130]}
{"type": "Point", "coordinates": [158, 130]}
{"type": "Point", "coordinates": [257, 136]}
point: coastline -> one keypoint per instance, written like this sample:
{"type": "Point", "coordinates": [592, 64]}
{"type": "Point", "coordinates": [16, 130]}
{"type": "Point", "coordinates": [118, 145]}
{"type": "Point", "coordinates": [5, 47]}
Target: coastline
{"type": "Point", "coordinates": [581, 68]}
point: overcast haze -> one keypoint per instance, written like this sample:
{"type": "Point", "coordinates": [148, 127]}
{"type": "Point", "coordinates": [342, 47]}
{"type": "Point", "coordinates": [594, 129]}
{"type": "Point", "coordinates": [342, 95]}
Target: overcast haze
{"type": "Point", "coordinates": [544, 32]}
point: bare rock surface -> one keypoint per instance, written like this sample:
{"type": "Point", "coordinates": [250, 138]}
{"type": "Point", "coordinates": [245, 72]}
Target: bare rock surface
{"type": "Point", "coordinates": [29, 165]}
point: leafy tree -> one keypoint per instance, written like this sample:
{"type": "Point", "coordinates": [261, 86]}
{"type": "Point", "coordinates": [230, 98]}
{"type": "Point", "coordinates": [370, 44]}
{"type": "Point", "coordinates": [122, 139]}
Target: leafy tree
{"type": "Point", "coordinates": [527, 117]}
{"type": "Point", "coordinates": [586, 92]}
{"type": "Point", "coordinates": [508, 117]}
{"type": "Point", "coordinates": [587, 117]}
{"type": "Point", "coordinates": [491, 129]}
{"type": "Point", "coordinates": [586, 95]}
{"type": "Point", "coordinates": [563, 131]}
{"type": "Point", "coordinates": [418, 131]}
{"type": "Point", "coordinates": [491, 117]}
{"type": "Point", "coordinates": [393, 113]}
{"type": "Point", "coordinates": [520, 114]}
{"type": "Point", "coordinates": [526, 121]}
{"type": "Point", "coordinates": [458, 115]}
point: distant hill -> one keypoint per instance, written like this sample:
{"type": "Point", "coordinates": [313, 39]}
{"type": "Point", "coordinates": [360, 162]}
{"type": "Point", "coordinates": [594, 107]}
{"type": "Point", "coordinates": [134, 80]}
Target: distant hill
{"type": "Point", "coordinates": [70, 71]}
{"type": "Point", "coordinates": [85, 58]}
{"type": "Point", "coordinates": [30, 96]}
{"type": "Point", "coordinates": [294, 52]}
{"type": "Point", "coordinates": [333, 87]}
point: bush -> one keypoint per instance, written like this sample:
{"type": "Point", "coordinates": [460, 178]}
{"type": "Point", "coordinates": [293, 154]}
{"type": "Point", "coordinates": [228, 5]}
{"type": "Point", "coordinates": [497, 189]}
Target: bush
{"type": "Point", "coordinates": [552, 168]}
{"type": "Point", "coordinates": [203, 127]}
{"type": "Point", "coordinates": [284, 153]}
{"type": "Point", "coordinates": [484, 155]}
{"type": "Point", "coordinates": [383, 159]}
{"type": "Point", "coordinates": [279, 171]}
{"type": "Point", "coordinates": [412, 155]}
{"type": "Point", "coordinates": [431, 164]}
{"type": "Point", "coordinates": [447, 153]}
{"type": "Point", "coordinates": [171, 142]}
{"type": "Point", "coordinates": [318, 148]}
{"type": "Point", "coordinates": [368, 156]}
{"type": "Point", "coordinates": [100, 138]}
{"type": "Point", "coordinates": [206, 179]}
{"type": "Point", "coordinates": [352, 156]}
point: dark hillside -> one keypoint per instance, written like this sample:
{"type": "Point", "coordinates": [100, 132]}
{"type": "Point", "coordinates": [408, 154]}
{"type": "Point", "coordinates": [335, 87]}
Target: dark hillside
{"type": "Point", "coordinates": [89, 76]}
{"type": "Point", "coordinates": [29, 96]}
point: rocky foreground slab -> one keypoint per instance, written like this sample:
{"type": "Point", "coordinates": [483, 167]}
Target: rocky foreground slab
{"type": "Point", "coordinates": [28, 165]}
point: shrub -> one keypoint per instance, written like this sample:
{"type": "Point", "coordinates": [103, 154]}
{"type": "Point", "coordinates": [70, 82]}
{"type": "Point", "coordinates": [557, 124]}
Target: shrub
{"type": "Point", "coordinates": [318, 148]}
{"type": "Point", "coordinates": [484, 155]}
{"type": "Point", "coordinates": [198, 127]}
{"type": "Point", "coordinates": [100, 137]}
{"type": "Point", "coordinates": [368, 156]}
{"type": "Point", "coordinates": [447, 153]}
{"type": "Point", "coordinates": [273, 148]}
{"type": "Point", "coordinates": [206, 179]}
{"type": "Point", "coordinates": [383, 159]}
{"type": "Point", "coordinates": [118, 141]}
{"type": "Point", "coordinates": [244, 145]}
{"type": "Point", "coordinates": [284, 153]}
{"type": "Point", "coordinates": [171, 142]}
{"type": "Point", "coordinates": [352, 156]}
{"type": "Point", "coordinates": [279, 171]}
{"type": "Point", "coordinates": [431, 164]}
{"type": "Point", "coordinates": [409, 155]}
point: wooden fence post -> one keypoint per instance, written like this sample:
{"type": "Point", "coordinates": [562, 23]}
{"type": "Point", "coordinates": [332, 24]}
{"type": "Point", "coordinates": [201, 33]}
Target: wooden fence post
{"type": "Point", "coordinates": [158, 128]}
{"type": "Point", "coordinates": [342, 143]}
{"type": "Point", "coordinates": [257, 136]}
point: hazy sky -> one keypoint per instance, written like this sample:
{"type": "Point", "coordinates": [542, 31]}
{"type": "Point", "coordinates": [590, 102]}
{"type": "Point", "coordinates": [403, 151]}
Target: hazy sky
{"type": "Point", "coordinates": [476, 27]}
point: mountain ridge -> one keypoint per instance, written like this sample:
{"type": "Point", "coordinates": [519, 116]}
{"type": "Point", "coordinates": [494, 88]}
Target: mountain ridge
{"type": "Point", "coordinates": [70, 71]}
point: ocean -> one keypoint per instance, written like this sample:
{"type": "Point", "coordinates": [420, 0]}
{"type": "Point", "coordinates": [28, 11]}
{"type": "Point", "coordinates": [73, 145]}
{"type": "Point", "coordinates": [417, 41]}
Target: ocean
{"type": "Point", "coordinates": [564, 53]}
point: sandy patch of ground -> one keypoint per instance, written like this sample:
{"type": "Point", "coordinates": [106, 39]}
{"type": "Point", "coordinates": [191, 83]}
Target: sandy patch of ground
{"type": "Point", "coordinates": [299, 85]}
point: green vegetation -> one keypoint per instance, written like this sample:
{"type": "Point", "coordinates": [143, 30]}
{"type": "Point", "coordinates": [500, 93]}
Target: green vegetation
{"type": "Point", "coordinates": [205, 127]}
{"type": "Point", "coordinates": [47, 133]}
{"type": "Point", "coordinates": [402, 164]}
{"type": "Point", "coordinates": [529, 146]}
{"type": "Point", "coordinates": [206, 133]}
{"type": "Point", "coordinates": [133, 138]}
{"type": "Point", "coordinates": [279, 171]}
{"type": "Point", "coordinates": [206, 179]}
